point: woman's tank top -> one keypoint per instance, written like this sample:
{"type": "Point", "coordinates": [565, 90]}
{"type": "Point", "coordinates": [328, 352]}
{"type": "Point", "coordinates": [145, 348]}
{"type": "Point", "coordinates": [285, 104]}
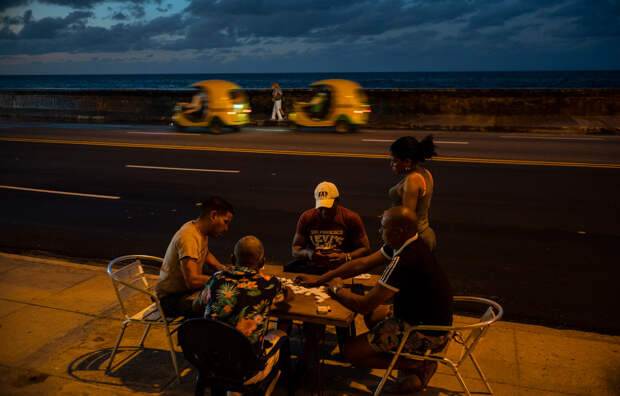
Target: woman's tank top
{"type": "Point", "coordinates": [424, 202]}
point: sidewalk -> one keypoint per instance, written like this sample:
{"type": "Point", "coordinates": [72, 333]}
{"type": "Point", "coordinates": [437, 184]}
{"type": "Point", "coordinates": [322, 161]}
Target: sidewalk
{"type": "Point", "coordinates": [59, 320]}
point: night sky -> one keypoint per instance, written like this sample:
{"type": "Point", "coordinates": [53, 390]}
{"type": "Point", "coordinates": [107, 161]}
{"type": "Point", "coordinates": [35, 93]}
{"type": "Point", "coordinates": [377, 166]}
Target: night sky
{"type": "Point", "coordinates": [220, 36]}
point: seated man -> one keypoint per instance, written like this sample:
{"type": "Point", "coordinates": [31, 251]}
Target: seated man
{"type": "Point", "coordinates": [421, 295]}
{"type": "Point", "coordinates": [188, 259]}
{"type": "Point", "coordinates": [242, 297]}
{"type": "Point", "coordinates": [197, 106]}
{"type": "Point", "coordinates": [327, 235]}
{"type": "Point", "coordinates": [316, 106]}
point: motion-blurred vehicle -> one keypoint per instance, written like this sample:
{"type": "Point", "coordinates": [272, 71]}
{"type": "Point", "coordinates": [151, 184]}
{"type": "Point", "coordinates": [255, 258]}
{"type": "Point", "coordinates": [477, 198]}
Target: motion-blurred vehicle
{"type": "Point", "coordinates": [216, 104]}
{"type": "Point", "coordinates": [336, 103]}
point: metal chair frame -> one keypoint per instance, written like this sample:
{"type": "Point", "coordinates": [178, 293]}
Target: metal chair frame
{"type": "Point", "coordinates": [474, 333]}
{"type": "Point", "coordinates": [129, 281]}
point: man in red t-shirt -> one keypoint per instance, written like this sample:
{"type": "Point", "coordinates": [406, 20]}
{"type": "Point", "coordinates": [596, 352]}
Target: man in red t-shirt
{"type": "Point", "coordinates": [328, 235]}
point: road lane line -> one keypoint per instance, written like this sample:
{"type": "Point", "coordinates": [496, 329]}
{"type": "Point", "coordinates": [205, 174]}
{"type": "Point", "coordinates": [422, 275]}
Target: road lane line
{"type": "Point", "coordinates": [436, 141]}
{"type": "Point", "coordinates": [183, 169]}
{"type": "Point", "coordinates": [60, 192]}
{"type": "Point", "coordinates": [310, 153]}
{"type": "Point", "coordinates": [158, 133]}
{"type": "Point", "coordinates": [550, 137]}
{"type": "Point", "coordinates": [450, 142]}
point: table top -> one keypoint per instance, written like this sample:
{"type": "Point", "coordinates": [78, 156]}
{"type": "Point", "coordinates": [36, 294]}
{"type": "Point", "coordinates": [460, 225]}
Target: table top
{"type": "Point", "coordinates": [304, 307]}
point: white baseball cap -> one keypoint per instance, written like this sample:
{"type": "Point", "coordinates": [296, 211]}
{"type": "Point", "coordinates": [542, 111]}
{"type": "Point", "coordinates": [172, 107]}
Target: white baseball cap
{"type": "Point", "coordinates": [325, 193]}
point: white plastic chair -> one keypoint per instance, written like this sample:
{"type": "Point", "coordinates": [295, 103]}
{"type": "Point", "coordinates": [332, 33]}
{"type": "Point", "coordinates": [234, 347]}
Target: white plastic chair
{"type": "Point", "coordinates": [130, 280]}
{"type": "Point", "coordinates": [467, 336]}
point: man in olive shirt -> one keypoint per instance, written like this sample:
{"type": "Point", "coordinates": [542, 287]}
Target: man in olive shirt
{"type": "Point", "coordinates": [188, 259]}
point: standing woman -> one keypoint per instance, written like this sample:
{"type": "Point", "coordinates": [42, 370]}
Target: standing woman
{"type": "Point", "coordinates": [415, 190]}
{"type": "Point", "coordinates": [276, 97]}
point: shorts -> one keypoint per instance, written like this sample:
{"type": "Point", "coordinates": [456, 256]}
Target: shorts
{"type": "Point", "coordinates": [387, 335]}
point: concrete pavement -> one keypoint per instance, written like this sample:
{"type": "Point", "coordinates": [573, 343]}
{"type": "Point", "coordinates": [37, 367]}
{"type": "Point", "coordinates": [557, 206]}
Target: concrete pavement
{"type": "Point", "coordinates": [59, 320]}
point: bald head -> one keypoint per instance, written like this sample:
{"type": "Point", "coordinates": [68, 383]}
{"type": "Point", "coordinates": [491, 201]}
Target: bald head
{"type": "Point", "coordinates": [249, 252]}
{"type": "Point", "coordinates": [398, 224]}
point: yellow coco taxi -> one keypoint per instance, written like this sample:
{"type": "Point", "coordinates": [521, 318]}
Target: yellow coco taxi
{"type": "Point", "coordinates": [216, 104]}
{"type": "Point", "coordinates": [336, 103]}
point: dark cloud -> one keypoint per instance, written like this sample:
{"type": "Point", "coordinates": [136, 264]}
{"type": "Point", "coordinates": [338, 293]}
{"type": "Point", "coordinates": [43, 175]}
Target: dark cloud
{"type": "Point", "coordinates": [119, 16]}
{"type": "Point", "coordinates": [6, 4]}
{"type": "Point", "coordinates": [79, 4]}
{"type": "Point", "coordinates": [370, 32]}
{"type": "Point", "coordinates": [53, 27]}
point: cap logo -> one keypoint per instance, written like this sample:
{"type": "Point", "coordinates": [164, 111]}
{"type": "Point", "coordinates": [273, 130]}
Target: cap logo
{"type": "Point", "coordinates": [322, 194]}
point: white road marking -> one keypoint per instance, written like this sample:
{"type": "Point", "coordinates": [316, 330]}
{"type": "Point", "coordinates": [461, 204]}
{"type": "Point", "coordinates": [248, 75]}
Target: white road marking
{"type": "Point", "coordinates": [158, 133]}
{"type": "Point", "coordinates": [183, 169]}
{"type": "Point", "coordinates": [550, 137]}
{"type": "Point", "coordinates": [61, 192]}
{"type": "Point", "coordinates": [436, 141]}
{"type": "Point", "coordinates": [272, 130]}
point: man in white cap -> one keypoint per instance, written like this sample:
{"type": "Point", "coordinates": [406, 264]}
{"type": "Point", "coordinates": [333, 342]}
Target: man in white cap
{"type": "Point", "coordinates": [327, 235]}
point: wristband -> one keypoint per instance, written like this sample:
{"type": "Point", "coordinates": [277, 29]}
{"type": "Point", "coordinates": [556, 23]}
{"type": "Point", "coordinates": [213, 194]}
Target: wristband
{"type": "Point", "coordinates": [347, 257]}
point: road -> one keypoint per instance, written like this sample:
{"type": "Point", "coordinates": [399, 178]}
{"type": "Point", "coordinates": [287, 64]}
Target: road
{"type": "Point", "coordinates": [529, 220]}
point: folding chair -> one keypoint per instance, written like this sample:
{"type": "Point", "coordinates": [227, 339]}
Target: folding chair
{"type": "Point", "coordinates": [130, 280]}
{"type": "Point", "coordinates": [467, 336]}
{"type": "Point", "coordinates": [225, 358]}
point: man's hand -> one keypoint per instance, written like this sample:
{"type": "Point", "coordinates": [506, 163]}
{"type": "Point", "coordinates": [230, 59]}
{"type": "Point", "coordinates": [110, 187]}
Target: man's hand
{"type": "Point", "coordinates": [307, 280]}
{"type": "Point", "coordinates": [335, 258]}
{"type": "Point", "coordinates": [334, 285]}
{"type": "Point", "coordinates": [319, 258]}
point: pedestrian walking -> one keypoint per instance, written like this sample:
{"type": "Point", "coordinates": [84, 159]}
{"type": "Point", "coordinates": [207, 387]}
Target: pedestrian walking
{"type": "Point", "coordinates": [276, 97]}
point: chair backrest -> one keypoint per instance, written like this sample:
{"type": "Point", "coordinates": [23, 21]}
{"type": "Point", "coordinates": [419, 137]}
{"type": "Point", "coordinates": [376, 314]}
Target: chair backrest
{"type": "Point", "coordinates": [130, 279]}
{"type": "Point", "coordinates": [220, 352]}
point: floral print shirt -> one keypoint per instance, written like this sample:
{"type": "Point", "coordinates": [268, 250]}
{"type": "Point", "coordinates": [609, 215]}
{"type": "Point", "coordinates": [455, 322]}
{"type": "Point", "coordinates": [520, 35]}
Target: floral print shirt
{"type": "Point", "coordinates": [242, 297]}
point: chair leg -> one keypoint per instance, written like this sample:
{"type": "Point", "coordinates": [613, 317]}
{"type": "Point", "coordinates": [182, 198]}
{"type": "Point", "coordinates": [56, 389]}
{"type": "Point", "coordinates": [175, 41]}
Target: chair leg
{"type": "Point", "coordinates": [118, 342]}
{"type": "Point", "coordinates": [172, 353]}
{"type": "Point", "coordinates": [146, 331]}
{"type": "Point", "coordinates": [200, 386]}
{"type": "Point", "coordinates": [479, 369]}
{"type": "Point", "coordinates": [388, 371]}
{"type": "Point", "coordinates": [460, 378]}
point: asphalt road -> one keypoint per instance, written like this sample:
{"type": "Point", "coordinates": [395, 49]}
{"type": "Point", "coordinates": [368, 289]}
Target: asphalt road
{"type": "Point", "coordinates": [528, 220]}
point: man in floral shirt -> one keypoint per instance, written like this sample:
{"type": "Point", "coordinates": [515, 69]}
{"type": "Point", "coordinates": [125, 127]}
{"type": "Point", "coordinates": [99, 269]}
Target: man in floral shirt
{"type": "Point", "coordinates": [242, 295]}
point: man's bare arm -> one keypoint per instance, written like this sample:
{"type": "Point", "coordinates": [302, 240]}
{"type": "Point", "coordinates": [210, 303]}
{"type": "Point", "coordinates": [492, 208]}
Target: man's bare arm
{"type": "Point", "coordinates": [298, 251]}
{"type": "Point", "coordinates": [214, 263]}
{"type": "Point", "coordinates": [349, 269]}
{"type": "Point", "coordinates": [192, 273]}
{"type": "Point", "coordinates": [362, 304]}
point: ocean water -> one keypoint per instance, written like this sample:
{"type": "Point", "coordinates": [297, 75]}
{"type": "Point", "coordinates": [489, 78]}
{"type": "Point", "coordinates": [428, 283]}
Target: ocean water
{"type": "Point", "coordinates": [384, 80]}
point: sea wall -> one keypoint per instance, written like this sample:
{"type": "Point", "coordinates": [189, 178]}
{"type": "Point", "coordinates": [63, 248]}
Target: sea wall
{"type": "Point", "coordinates": [560, 110]}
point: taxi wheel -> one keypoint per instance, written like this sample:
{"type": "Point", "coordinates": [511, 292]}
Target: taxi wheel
{"type": "Point", "coordinates": [343, 127]}
{"type": "Point", "coordinates": [177, 127]}
{"type": "Point", "coordinates": [216, 126]}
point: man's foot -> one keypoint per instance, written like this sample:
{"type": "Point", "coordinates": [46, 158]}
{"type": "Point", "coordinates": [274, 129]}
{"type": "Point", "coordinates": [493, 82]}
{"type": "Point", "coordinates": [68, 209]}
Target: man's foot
{"type": "Point", "coordinates": [406, 385]}
{"type": "Point", "coordinates": [412, 383]}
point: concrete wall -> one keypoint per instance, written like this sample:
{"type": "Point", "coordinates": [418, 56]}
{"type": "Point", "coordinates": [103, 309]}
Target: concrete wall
{"type": "Point", "coordinates": [570, 110]}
